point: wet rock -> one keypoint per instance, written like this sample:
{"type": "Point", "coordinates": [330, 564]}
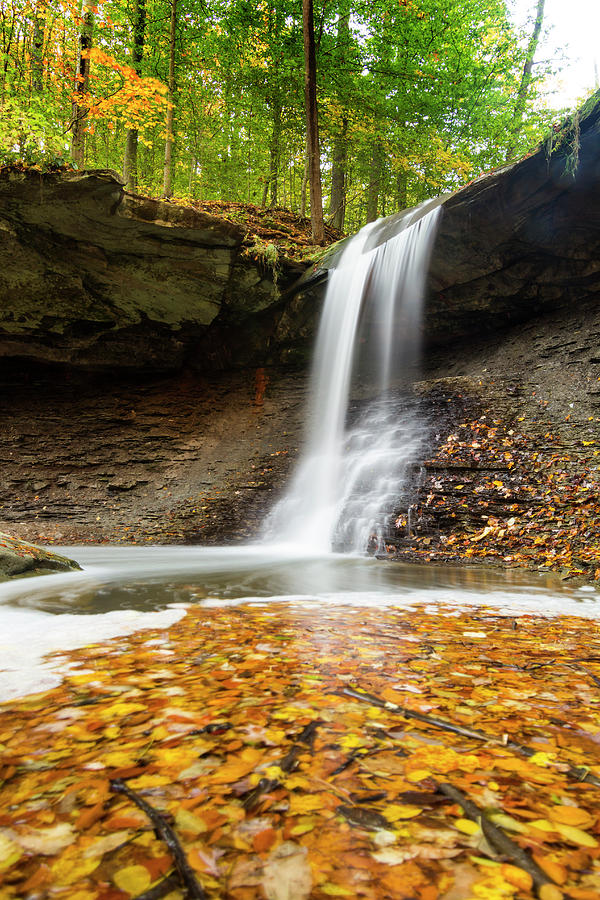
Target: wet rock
{"type": "Point", "coordinates": [18, 558]}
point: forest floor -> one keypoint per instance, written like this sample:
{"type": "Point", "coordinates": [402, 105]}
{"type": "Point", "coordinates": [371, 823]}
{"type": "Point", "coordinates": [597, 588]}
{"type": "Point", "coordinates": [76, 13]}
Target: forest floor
{"type": "Point", "coordinates": [287, 232]}
{"type": "Point", "coordinates": [287, 752]}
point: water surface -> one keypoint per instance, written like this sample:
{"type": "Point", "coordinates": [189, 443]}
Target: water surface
{"type": "Point", "coordinates": [127, 588]}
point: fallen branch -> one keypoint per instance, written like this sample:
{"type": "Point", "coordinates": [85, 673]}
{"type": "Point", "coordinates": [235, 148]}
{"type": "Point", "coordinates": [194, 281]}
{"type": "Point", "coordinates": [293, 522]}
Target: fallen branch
{"type": "Point", "coordinates": [164, 830]}
{"type": "Point", "coordinates": [576, 773]}
{"type": "Point", "coordinates": [287, 764]}
{"type": "Point", "coordinates": [495, 836]}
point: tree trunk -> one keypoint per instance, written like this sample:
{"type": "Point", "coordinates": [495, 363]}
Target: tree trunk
{"type": "Point", "coordinates": [168, 174]}
{"type": "Point", "coordinates": [517, 120]}
{"type": "Point", "coordinates": [375, 175]}
{"type": "Point", "coordinates": [337, 202]}
{"type": "Point", "coordinates": [37, 50]}
{"type": "Point", "coordinates": [82, 77]}
{"type": "Point", "coordinates": [312, 123]}
{"type": "Point", "coordinates": [401, 191]}
{"type": "Point", "coordinates": [274, 151]}
{"type": "Point", "coordinates": [304, 186]}
{"type": "Point", "coordinates": [131, 143]}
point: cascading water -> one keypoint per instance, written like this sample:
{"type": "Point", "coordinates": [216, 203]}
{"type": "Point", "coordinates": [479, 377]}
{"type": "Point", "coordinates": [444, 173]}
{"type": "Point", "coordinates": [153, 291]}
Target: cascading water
{"type": "Point", "coordinates": [350, 476]}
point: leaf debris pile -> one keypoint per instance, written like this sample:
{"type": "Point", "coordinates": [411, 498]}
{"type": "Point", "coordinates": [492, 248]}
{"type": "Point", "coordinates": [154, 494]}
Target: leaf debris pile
{"type": "Point", "coordinates": [494, 493]}
{"type": "Point", "coordinates": [285, 230]}
{"type": "Point", "coordinates": [299, 752]}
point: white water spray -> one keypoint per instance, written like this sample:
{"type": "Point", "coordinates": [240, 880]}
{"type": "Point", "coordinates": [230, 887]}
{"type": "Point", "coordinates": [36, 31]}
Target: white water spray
{"type": "Point", "coordinates": [351, 476]}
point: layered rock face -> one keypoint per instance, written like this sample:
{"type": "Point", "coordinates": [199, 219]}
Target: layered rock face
{"type": "Point", "coordinates": [95, 277]}
{"type": "Point", "coordinates": [517, 243]}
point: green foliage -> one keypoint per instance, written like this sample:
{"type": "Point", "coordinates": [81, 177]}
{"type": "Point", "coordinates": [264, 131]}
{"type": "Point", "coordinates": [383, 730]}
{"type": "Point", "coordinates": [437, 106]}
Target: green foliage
{"type": "Point", "coordinates": [416, 96]}
{"type": "Point", "coordinates": [29, 134]}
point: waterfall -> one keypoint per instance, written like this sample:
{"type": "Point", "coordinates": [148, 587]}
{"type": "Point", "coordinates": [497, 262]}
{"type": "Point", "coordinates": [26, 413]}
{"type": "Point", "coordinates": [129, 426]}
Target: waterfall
{"type": "Point", "coordinates": [354, 464]}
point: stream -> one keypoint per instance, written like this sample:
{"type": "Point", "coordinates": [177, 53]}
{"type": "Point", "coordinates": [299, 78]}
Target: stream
{"type": "Point", "coordinates": [126, 588]}
{"type": "Point", "coordinates": [352, 480]}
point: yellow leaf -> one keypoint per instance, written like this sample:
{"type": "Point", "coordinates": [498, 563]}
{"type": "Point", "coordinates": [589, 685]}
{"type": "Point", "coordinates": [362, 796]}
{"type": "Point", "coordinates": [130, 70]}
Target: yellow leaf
{"type": "Point", "coordinates": [396, 811]}
{"type": "Point", "coordinates": [69, 869]}
{"type": "Point", "coordinates": [351, 742]}
{"type": "Point", "coordinates": [187, 821]}
{"type": "Point", "coordinates": [507, 822]}
{"type": "Point", "coordinates": [119, 759]}
{"type": "Point", "coordinates": [305, 824]}
{"type": "Point", "coordinates": [542, 759]}
{"type": "Point", "coordinates": [117, 711]}
{"type": "Point", "coordinates": [132, 879]}
{"type": "Point", "coordinates": [297, 781]}
{"type": "Point", "coordinates": [9, 852]}
{"type": "Point", "coordinates": [467, 826]}
{"type": "Point", "coordinates": [418, 775]}
{"type": "Point", "coordinates": [336, 890]}
{"type": "Point", "coordinates": [482, 861]}
{"type": "Point", "coordinates": [576, 835]}
{"type": "Point", "coordinates": [543, 825]}
{"type": "Point", "coordinates": [550, 892]}
{"type": "Point", "coordinates": [299, 805]}
{"type": "Point", "coordinates": [571, 815]}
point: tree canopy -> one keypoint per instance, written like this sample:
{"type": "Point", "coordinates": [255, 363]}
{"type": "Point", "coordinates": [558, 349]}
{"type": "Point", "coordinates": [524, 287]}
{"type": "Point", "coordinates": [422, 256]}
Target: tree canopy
{"type": "Point", "coordinates": [205, 98]}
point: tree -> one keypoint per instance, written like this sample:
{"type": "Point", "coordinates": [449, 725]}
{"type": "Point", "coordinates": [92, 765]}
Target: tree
{"type": "Point", "coordinates": [312, 123]}
{"type": "Point", "coordinates": [82, 76]}
{"type": "Point", "coordinates": [37, 48]}
{"type": "Point", "coordinates": [137, 55]}
{"type": "Point", "coordinates": [339, 161]}
{"type": "Point", "coordinates": [168, 169]}
{"type": "Point", "coordinates": [526, 79]}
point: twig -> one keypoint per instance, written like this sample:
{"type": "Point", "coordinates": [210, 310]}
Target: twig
{"type": "Point", "coordinates": [160, 890]}
{"type": "Point", "coordinates": [576, 773]}
{"type": "Point", "coordinates": [164, 830]}
{"type": "Point", "coordinates": [287, 764]}
{"type": "Point", "coordinates": [496, 837]}
{"type": "Point", "coordinates": [578, 667]}
{"type": "Point", "coordinates": [421, 717]}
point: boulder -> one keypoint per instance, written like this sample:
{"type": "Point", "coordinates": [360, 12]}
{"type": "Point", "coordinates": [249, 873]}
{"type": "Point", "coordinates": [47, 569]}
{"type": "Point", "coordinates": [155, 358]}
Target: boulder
{"type": "Point", "coordinates": [18, 558]}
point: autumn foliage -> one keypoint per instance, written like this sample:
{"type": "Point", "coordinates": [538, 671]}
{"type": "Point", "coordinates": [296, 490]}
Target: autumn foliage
{"type": "Point", "coordinates": [300, 752]}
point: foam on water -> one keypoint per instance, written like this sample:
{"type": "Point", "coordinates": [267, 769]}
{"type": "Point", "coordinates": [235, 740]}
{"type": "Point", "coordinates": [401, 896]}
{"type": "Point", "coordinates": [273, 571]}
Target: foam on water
{"type": "Point", "coordinates": [99, 603]}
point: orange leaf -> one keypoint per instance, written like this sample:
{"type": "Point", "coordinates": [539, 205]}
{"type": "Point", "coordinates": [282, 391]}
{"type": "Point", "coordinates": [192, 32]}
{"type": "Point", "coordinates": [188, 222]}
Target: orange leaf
{"type": "Point", "coordinates": [158, 865]}
{"type": "Point", "coordinates": [552, 869]}
{"type": "Point", "coordinates": [264, 840]}
{"type": "Point", "coordinates": [39, 878]}
{"type": "Point", "coordinates": [90, 815]}
{"type": "Point", "coordinates": [571, 815]}
{"type": "Point", "coordinates": [517, 877]}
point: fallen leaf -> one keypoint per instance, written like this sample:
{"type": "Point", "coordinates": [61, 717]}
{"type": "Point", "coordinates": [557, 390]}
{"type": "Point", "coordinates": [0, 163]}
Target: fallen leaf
{"type": "Point", "coordinates": [287, 873]}
{"type": "Point", "coordinates": [132, 879]}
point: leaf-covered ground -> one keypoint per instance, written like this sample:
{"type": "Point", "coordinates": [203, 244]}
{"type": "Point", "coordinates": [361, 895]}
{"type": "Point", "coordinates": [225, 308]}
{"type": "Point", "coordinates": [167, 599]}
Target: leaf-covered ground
{"type": "Point", "coordinates": [286, 231]}
{"type": "Point", "coordinates": [293, 751]}
{"type": "Point", "coordinates": [495, 493]}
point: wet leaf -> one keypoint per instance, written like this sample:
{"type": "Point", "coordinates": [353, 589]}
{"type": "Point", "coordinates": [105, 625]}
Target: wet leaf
{"type": "Point", "coordinates": [287, 873]}
{"type": "Point", "coordinates": [132, 879]}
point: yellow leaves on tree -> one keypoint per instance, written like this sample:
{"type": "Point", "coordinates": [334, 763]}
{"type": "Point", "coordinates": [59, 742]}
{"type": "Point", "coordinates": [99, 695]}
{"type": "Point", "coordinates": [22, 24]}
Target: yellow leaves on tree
{"type": "Point", "coordinates": [118, 94]}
